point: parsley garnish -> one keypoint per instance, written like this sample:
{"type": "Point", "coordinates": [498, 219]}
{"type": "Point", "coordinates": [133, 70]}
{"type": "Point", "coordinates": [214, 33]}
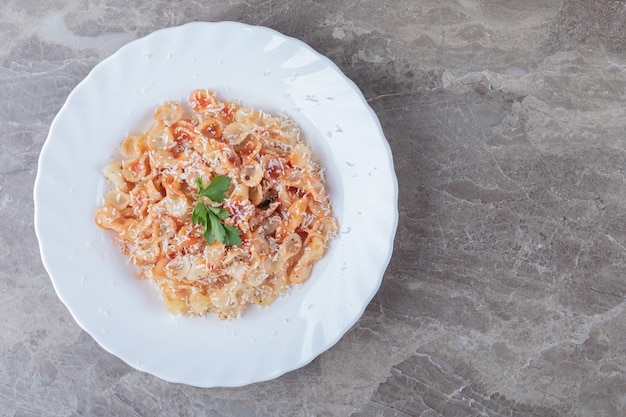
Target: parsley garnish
{"type": "Point", "coordinates": [211, 217]}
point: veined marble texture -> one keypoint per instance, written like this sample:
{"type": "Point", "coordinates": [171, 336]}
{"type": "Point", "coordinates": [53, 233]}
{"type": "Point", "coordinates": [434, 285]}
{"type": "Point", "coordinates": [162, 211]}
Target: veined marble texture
{"type": "Point", "coordinates": [505, 293]}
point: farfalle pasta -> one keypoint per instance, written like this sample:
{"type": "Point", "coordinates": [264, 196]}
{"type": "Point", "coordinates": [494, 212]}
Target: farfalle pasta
{"type": "Point", "coordinates": [277, 200]}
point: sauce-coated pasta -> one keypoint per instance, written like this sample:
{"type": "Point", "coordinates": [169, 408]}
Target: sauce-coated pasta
{"type": "Point", "coordinates": [276, 199]}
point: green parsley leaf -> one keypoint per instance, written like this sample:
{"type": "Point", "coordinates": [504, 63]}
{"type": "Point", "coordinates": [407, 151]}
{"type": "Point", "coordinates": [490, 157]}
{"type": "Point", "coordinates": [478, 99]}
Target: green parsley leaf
{"type": "Point", "coordinates": [208, 235]}
{"type": "Point", "coordinates": [217, 227]}
{"type": "Point", "coordinates": [232, 236]}
{"type": "Point", "coordinates": [200, 213]}
{"type": "Point", "coordinates": [211, 217]}
{"type": "Point", "coordinates": [216, 191]}
{"type": "Point", "coordinates": [220, 213]}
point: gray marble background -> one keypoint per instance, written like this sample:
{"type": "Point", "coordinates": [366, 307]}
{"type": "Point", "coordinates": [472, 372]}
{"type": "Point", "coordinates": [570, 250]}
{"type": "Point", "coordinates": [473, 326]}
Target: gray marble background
{"type": "Point", "coordinates": [505, 294]}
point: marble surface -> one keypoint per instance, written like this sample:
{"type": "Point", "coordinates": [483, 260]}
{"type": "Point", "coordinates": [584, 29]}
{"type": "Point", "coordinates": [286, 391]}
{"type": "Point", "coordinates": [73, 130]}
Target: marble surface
{"type": "Point", "coordinates": [505, 293]}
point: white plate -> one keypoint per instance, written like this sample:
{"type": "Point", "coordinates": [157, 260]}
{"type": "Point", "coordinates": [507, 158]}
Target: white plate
{"type": "Point", "coordinates": [260, 68]}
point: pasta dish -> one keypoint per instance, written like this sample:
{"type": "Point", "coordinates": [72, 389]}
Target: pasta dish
{"type": "Point", "coordinates": [274, 206]}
